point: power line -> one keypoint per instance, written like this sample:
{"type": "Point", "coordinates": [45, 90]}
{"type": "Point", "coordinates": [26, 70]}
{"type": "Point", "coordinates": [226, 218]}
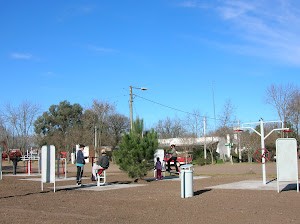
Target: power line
{"type": "Point", "coordinates": [174, 108]}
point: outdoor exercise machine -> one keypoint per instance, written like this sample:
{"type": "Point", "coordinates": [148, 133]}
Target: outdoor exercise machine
{"type": "Point", "coordinates": [263, 137]}
{"type": "Point", "coordinates": [63, 161]}
{"type": "Point", "coordinates": [30, 158]}
{"type": "Point", "coordinates": [100, 174]}
{"type": "Point", "coordinates": [101, 177]}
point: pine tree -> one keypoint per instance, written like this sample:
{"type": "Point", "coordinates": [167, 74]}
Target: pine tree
{"type": "Point", "coordinates": [136, 152]}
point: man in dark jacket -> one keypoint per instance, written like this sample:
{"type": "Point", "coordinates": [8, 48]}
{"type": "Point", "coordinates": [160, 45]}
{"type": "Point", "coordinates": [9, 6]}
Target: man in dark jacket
{"type": "Point", "coordinates": [80, 164]}
{"type": "Point", "coordinates": [15, 159]}
{"type": "Point", "coordinates": [102, 163]}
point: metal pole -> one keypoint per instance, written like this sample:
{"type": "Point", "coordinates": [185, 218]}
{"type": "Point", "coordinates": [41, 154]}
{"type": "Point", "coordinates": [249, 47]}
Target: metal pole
{"type": "Point", "coordinates": [239, 139]}
{"type": "Point", "coordinates": [262, 137]}
{"type": "Point", "coordinates": [131, 119]}
{"type": "Point", "coordinates": [213, 95]}
{"type": "Point", "coordinates": [204, 138]}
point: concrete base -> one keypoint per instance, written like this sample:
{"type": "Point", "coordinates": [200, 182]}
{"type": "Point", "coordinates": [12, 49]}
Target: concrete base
{"type": "Point", "coordinates": [94, 187]}
{"type": "Point", "coordinates": [56, 179]}
{"type": "Point", "coordinates": [176, 178]}
{"type": "Point", "coordinates": [257, 185]}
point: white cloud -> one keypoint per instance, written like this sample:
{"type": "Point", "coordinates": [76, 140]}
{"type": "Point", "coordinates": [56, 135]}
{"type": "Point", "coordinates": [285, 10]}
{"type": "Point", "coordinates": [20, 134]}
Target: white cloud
{"type": "Point", "coordinates": [101, 49]}
{"type": "Point", "coordinates": [266, 28]}
{"type": "Point", "coordinates": [21, 56]}
{"type": "Point", "coordinates": [50, 75]}
{"type": "Point", "coordinates": [192, 4]}
{"type": "Point", "coordinates": [233, 9]}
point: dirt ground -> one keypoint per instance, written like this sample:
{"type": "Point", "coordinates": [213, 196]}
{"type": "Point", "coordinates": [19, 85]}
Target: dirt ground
{"type": "Point", "coordinates": [155, 202]}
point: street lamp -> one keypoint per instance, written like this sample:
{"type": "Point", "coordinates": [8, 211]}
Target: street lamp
{"type": "Point", "coordinates": [131, 100]}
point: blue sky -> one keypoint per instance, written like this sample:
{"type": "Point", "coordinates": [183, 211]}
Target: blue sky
{"type": "Point", "coordinates": [180, 50]}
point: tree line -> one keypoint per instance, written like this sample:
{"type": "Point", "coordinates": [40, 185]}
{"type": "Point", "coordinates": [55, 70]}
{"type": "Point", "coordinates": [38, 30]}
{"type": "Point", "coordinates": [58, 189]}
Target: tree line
{"type": "Point", "coordinates": [65, 125]}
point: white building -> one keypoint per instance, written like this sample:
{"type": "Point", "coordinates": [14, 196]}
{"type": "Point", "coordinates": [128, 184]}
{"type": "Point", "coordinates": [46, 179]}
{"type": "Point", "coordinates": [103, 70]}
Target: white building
{"type": "Point", "coordinates": [183, 142]}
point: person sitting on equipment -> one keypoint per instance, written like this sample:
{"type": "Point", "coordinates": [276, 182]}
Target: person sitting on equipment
{"type": "Point", "coordinates": [101, 163]}
{"type": "Point", "coordinates": [173, 158]}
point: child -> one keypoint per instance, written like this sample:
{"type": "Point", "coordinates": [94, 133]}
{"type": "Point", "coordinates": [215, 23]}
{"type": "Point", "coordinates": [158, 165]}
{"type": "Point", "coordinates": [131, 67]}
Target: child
{"type": "Point", "coordinates": [158, 168]}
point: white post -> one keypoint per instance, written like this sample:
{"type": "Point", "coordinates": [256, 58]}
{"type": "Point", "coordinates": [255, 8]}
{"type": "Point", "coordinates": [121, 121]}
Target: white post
{"type": "Point", "coordinates": [28, 165]}
{"type": "Point", "coordinates": [262, 137]}
{"type": "Point", "coordinates": [95, 139]}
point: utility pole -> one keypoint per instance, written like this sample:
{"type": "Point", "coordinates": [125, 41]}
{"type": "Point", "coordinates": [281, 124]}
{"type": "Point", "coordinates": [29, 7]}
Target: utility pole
{"type": "Point", "coordinates": [131, 100]}
{"type": "Point", "coordinates": [213, 95]}
{"type": "Point", "coordinates": [131, 120]}
{"type": "Point", "coordinates": [204, 132]}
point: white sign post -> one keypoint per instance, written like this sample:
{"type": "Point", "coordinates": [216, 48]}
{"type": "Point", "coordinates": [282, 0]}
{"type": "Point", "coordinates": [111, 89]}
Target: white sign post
{"type": "Point", "coordinates": [287, 161]}
{"type": "Point", "coordinates": [86, 153]}
{"type": "Point", "coordinates": [48, 165]}
{"type": "Point", "coordinates": [1, 165]}
{"type": "Point", "coordinates": [161, 154]}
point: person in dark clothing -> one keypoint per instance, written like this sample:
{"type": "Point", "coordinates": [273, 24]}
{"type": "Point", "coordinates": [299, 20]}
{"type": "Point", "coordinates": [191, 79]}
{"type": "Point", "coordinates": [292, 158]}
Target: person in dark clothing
{"type": "Point", "coordinates": [80, 164]}
{"type": "Point", "coordinates": [15, 159]}
{"type": "Point", "coordinates": [173, 158]}
{"type": "Point", "coordinates": [101, 163]}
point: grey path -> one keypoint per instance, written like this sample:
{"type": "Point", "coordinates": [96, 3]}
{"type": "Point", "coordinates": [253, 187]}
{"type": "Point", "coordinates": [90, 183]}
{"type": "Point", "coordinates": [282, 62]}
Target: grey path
{"type": "Point", "coordinates": [257, 185]}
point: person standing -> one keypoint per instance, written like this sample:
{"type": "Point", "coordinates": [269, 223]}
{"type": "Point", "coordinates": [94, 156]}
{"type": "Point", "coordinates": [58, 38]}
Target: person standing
{"type": "Point", "coordinates": [80, 161]}
{"type": "Point", "coordinates": [15, 159]}
{"type": "Point", "coordinates": [101, 163]}
{"type": "Point", "coordinates": [158, 168]}
{"type": "Point", "coordinates": [173, 158]}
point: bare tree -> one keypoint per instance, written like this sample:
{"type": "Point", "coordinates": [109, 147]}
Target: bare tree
{"type": "Point", "coordinates": [102, 110]}
{"type": "Point", "coordinates": [227, 116]}
{"type": "Point", "coordinates": [169, 128]}
{"type": "Point", "coordinates": [21, 118]}
{"type": "Point", "coordinates": [280, 96]}
{"type": "Point", "coordinates": [250, 142]}
{"type": "Point", "coordinates": [294, 111]}
{"type": "Point", "coordinates": [194, 123]}
{"type": "Point", "coordinates": [117, 125]}
{"type": "Point", "coordinates": [211, 146]}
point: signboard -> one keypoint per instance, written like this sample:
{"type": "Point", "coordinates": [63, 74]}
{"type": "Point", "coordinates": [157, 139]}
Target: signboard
{"type": "Point", "coordinates": [1, 165]}
{"type": "Point", "coordinates": [287, 160]}
{"type": "Point", "coordinates": [48, 164]}
{"type": "Point", "coordinates": [161, 154]}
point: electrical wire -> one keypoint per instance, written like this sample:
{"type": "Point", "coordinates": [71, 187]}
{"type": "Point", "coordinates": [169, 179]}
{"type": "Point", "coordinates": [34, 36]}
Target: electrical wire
{"type": "Point", "coordinates": [175, 108]}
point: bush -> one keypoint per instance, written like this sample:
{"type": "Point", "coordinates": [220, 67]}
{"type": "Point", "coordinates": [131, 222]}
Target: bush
{"type": "Point", "coordinates": [201, 161]}
{"type": "Point", "coordinates": [219, 161]}
{"type": "Point", "coordinates": [235, 157]}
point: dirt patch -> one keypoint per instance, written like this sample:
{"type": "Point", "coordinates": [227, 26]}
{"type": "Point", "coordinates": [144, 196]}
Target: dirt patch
{"type": "Point", "coordinates": [157, 202]}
